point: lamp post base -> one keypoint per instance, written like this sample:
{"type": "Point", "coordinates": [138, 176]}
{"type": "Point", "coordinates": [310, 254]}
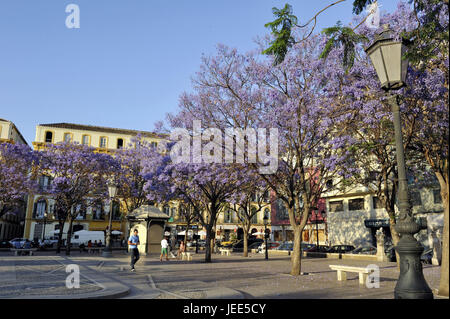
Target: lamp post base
{"type": "Point", "coordinates": [411, 284]}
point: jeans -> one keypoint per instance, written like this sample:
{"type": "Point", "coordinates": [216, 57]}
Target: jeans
{"type": "Point", "coordinates": [134, 256]}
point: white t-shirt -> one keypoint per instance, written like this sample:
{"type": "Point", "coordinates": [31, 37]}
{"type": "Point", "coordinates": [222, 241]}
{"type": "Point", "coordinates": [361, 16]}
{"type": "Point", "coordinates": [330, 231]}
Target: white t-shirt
{"type": "Point", "coordinates": [164, 243]}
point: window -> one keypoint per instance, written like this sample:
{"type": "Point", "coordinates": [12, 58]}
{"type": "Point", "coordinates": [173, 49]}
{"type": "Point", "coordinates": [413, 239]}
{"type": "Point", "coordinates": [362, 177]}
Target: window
{"type": "Point", "coordinates": [119, 143]}
{"type": "Point", "coordinates": [182, 215]}
{"type": "Point", "coordinates": [153, 145]}
{"type": "Point", "coordinates": [329, 184]}
{"type": "Point", "coordinates": [86, 140]}
{"type": "Point", "coordinates": [377, 203]}
{"type": "Point", "coordinates": [337, 206]}
{"type": "Point", "coordinates": [80, 212]}
{"type": "Point", "coordinates": [115, 210]}
{"type": "Point", "coordinates": [97, 212]}
{"type": "Point", "coordinates": [48, 137]}
{"type": "Point", "coordinates": [44, 182]}
{"type": "Point", "coordinates": [437, 196]}
{"type": "Point", "coordinates": [356, 204]}
{"type": "Point", "coordinates": [40, 208]}
{"type": "Point", "coordinates": [267, 214]}
{"type": "Point", "coordinates": [281, 210]}
{"type": "Point", "coordinates": [254, 219]}
{"type": "Point", "coordinates": [415, 198]}
{"type": "Point", "coordinates": [173, 211]}
{"type": "Point", "coordinates": [228, 218]}
{"type": "Point", "coordinates": [266, 198]}
{"type": "Point", "coordinates": [103, 142]}
{"type": "Point", "coordinates": [67, 137]}
{"type": "Point", "coordinates": [166, 210]}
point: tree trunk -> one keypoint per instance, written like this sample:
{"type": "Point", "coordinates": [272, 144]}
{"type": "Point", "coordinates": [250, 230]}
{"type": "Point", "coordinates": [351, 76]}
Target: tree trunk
{"type": "Point", "coordinates": [186, 234]}
{"type": "Point", "coordinates": [59, 244]}
{"type": "Point", "coordinates": [395, 239]}
{"type": "Point", "coordinates": [69, 236]}
{"type": "Point", "coordinates": [296, 257]}
{"type": "Point", "coordinates": [245, 251]}
{"type": "Point", "coordinates": [443, 284]}
{"type": "Point", "coordinates": [208, 244]}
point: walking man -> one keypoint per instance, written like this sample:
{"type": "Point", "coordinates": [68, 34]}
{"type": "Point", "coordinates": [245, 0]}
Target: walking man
{"type": "Point", "coordinates": [133, 241]}
{"type": "Point", "coordinates": [164, 247]}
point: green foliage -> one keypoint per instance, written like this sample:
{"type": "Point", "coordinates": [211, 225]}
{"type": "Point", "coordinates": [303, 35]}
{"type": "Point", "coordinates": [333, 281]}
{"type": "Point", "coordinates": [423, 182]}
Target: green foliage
{"type": "Point", "coordinates": [345, 37]}
{"type": "Point", "coordinates": [430, 37]}
{"type": "Point", "coordinates": [281, 29]}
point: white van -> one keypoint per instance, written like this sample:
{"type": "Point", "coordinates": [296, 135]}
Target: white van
{"type": "Point", "coordinates": [83, 236]}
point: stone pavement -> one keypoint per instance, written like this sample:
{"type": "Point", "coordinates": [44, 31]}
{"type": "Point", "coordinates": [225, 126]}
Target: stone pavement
{"type": "Point", "coordinates": [227, 277]}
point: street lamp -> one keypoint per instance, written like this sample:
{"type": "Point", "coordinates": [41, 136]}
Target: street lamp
{"type": "Point", "coordinates": [44, 222]}
{"type": "Point", "coordinates": [386, 56]}
{"type": "Point", "coordinates": [266, 221]}
{"type": "Point", "coordinates": [112, 190]}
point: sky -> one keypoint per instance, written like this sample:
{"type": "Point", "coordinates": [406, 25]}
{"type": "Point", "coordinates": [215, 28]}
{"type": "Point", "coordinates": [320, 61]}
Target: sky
{"type": "Point", "coordinates": [129, 61]}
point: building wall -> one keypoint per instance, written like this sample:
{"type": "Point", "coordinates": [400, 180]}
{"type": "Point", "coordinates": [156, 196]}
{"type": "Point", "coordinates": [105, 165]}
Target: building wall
{"type": "Point", "coordinates": [12, 223]}
{"type": "Point", "coordinates": [347, 227]}
{"type": "Point", "coordinates": [77, 135]}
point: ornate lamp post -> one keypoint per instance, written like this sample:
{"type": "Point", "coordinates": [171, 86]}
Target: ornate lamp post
{"type": "Point", "coordinates": [112, 189]}
{"type": "Point", "coordinates": [386, 56]}
{"type": "Point", "coordinates": [266, 221]}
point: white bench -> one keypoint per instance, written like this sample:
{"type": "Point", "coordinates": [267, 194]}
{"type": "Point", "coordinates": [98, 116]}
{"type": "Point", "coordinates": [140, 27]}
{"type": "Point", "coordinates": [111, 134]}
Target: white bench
{"type": "Point", "coordinates": [225, 252]}
{"type": "Point", "coordinates": [186, 256]}
{"type": "Point", "coordinates": [343, 270]}
{"type": "Point", "coordinates": [28, 250]}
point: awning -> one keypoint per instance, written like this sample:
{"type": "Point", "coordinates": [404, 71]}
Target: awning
{"type": "Point", "coordinates": [147, 212]}
{"type": "Point", "coordinates": [376, 223]}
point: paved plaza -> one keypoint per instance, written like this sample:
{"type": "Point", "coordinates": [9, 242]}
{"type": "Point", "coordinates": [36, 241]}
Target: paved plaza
{"type": "Point", "coordinates": [227, 277]}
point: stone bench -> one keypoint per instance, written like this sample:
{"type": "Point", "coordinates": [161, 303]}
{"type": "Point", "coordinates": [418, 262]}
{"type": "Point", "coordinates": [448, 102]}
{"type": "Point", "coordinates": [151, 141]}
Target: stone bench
{"type": "Point", "coordinates": [186, 256]}
{"type": "Point", "coordinates": [343, 270]}
{"type": "Point", "coordinates": [225, 252]}
{"type": "Point", "coordinates": [28, 250]}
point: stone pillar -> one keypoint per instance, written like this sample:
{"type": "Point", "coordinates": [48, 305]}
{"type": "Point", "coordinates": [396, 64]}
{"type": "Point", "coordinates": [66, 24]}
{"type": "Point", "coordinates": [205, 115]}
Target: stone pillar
{"type": "Point", "coordinates": [381, 256]}
{"type": "Point", "coordinates": [437, 247]}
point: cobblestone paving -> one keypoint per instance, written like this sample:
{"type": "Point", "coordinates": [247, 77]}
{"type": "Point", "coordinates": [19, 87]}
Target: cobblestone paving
{"type": "Point", "coordinates": [42, 277]}
{"type": "Point", "coordinates": [255, 277]}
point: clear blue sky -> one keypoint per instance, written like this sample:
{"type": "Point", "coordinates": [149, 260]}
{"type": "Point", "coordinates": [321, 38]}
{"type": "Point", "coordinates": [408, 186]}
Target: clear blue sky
{"type": "Point", "coordinates": [130, 60]}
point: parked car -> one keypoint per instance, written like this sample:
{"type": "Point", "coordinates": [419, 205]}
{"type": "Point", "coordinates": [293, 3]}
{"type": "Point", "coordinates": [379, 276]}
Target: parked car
{"type": "Point", "coordinates": [320, 249]}
{"type": "Point", "coordinates": [5, 244]}
{"type": "Point", "coordinates": [17, 242]}
{"type": "Point", "coordinates": [271, 245]}
{"type": "Point", "coordinates": [341, 249]}
{"type": "Point", "coordinates": [364, 250]}
{"type": "Point", "coordinates": [285, 246]}
{"type": "Point", "coordinates": [239, 246]}
{"type": "Point", "coordinates": [426, 256]}
{"type": "Point", "coordinates": [307, 247]}
{"type": "Point", "coordinates": [228, 243]}
{"type": "Point", "coordinates": [255, 245]}
{"type": "Point", "coordinates": [201, 243]}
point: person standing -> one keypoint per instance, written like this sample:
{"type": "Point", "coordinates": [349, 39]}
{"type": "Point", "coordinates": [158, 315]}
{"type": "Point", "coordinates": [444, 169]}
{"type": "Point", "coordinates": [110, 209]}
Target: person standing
{"type": "Point", "coordinates": [182, 250]}
{"type": "Point", "coordinates": [133, 241]}
{"type": "Point", "coordinates": [164, 247]}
